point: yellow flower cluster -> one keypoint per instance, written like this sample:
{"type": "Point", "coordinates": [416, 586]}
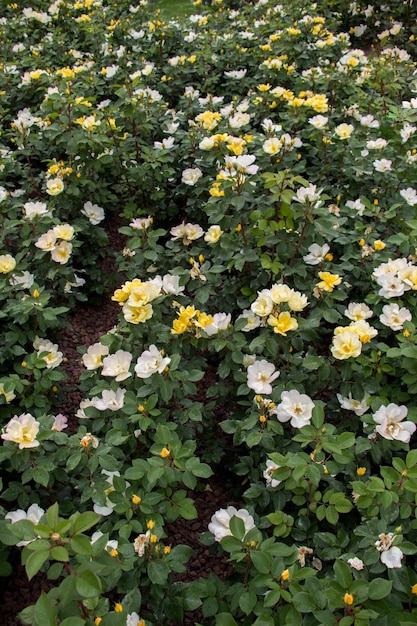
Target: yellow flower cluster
{"type": "Point", "coordinates": [208, 120]}
{"type": "Point", "coordinates": [135, 297]}
{"type": "Point", "coordinates": [190, 319]}
{"type": "Point", "coordinates": [316, 101]}
{"type": "Point", "coordinates": [348, 340]}
{"type": "Point", "coordinates": [88, 123]}
{"type": "Point", "coordinates": [269, 304]}
{"type": "Point", "coordinates": [58, 168]}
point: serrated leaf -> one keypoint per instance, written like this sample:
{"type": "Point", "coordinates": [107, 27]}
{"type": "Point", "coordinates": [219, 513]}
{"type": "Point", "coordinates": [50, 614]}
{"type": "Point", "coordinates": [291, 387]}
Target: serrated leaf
{"type": "Point", "coordinates": [84, 521]}
{"type": "Point", "coordinates": [237, 527]}
{"type": "Point", "coordinates": [59, 553]}
{"type": "Point", "coordinates": [225, 619]}
{"type": "Point", "coordinates": [35, 562]}
{"type": "Point", "coordinates": [342, 573]}
{"type": "Point", "coordinates": [261, 561]}
{"type": "Point", "coordinates": [88, 584]}
{"type": "Point", "coordinates": [158, 572]}
{"type": "Point", "coordinates": [52, 515]}
{"type": "Point", "coordinates": [247, 601]}
{"type": "Point", "coordinates": [81, 545]}
{"type": "Point", "coordinates": [379, 588]}
{"type": "Point", "coordinates": [43, 611]}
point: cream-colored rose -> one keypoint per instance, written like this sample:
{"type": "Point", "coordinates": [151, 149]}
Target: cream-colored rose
{"type": "Point", "coordinates": [22, 430]}
{"type": "Point", "coordinates": [47, 241]}
{"type": "Point", "coordinates": [263, 304]}
{"type": "Point", "coordinates": [141, 295]}
{"type": "Point", "coordinates": [280, 293]}
{"type": "Point", "coordinates": [54, 186]}
{"type": "Point", "coordinates": [137, 314]}
{"type": "Point", "coordinates": [345, 345]}
{"type": "Point", "coordinates": [64, 231]}
{"type": "Point", "coordinates": [213, 234]}
{"type": "Point", "coordinates": [7, 263]}
{"type": "Point", "coordinates": [62, 252]}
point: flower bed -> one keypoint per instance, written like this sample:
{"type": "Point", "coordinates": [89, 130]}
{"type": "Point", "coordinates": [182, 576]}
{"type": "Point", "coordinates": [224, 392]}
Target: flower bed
{"type": "Point", "coordinates": [262, 161]}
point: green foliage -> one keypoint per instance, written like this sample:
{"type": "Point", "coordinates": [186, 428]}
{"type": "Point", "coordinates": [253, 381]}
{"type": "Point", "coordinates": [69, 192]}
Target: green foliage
{"type": "Point", "coordinates": [262, 168]}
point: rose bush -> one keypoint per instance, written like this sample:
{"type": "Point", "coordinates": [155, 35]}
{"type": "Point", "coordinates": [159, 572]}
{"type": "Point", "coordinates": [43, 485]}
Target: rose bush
{"type": "Point", "coordinates": [262, 161]}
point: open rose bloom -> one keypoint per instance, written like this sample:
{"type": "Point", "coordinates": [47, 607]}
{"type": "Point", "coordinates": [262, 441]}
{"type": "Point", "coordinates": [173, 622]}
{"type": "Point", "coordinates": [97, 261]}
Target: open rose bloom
{"type": "Point", "coordinates": [220, 521]}
{"type": "Point", "coordinates": [22, 430]}
{"type": "Point", "coordinates": [390, 424]}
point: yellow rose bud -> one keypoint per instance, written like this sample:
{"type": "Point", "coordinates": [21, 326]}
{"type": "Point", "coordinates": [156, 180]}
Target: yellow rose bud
{"type": "Point", "coordinates": [262, 419]}
{"type": "Point", "coordinates": [361, 242]}
{"type": "Point", "coordinates": [379, 245]}
{"type": "Point", "coordinates": [414, 589]}
{"type": "Point", "coordinates": [167, 549]}
{"type": "Point", "coordinates": [118, 607]}
{"type": "Point", "coordinates": [113, 553]}
{"type": "Point", "coordinates": [285, 575]}
{"type": "Point", "coordinates": [35, 293]}
{"type": "Point", "coordinates": [153, 538]}
{"type": "Point", "coordinates": [348, 599]}
{"type": "Point", "coordinates": [165, 453]}
{"type": "Point", "coordinates": [151, 524]}
{"type": "Point", "coordinates": [136, 499]}
{"type": "Point", "coordinates": [361, 471]}
{"type": "Point", "coordinates": [98, 620]}
{"type": "Point", "coordinates": [141, 408]}
{"type": "Point", "coordinates": [376, 202]}
{"type": "Point", "coordinates": [406, 334]}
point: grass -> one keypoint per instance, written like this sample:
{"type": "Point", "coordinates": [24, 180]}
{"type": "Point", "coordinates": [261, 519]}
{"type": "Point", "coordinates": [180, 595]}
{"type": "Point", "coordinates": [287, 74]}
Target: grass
{"type": "Point", "coordinates": [174, 8]}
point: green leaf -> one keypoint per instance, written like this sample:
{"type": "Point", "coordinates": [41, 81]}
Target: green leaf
{"type": "Point", "coordinates": [73, 621]}
{"type": "Point", "coordinates": [158, 572]}
{"type": "Point", "coordinates": [261, 561]}
{"type": "Point", "coordinates": [43, 611]}
{"type": "Point", "coordinates": [332, 515]}
{"type": "Point", "coordinates": [84, 521]}
{"type": "Point", "coordinates": [225, 619]}
{"type": "Point", "coordinates": [88, 584]}
{"type": "Point", "coordinates": [379, 588]}
{"type": "Point", "coordinates": [304, 602]}
{"type": "Point", "coordinates": [81, 544]}
{"type": "Point", "coordinates": [52, 515]}
{"type": "Point", "coordinates": [59, 553]}
{"type": "Point", "coordinates": [237, 527]}
{"type": "Point", "coordinates": [247, 601]}
{"type": "Point", "coordinates": [411, 459]}
{"type": "Point", "coordinates": [35, 562]}
{"type": "Point", "coordinates": [67, 590]}
{"type": "Point", "coordinates": [342, 573]}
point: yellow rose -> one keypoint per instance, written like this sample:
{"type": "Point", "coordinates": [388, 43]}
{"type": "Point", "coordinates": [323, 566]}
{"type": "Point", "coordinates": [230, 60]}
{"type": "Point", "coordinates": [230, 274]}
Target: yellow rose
{"type": "Point", "coordinates": [203, 319]}
{"type": "Point", "coordinates": [283, 323]}
{"type": "Point", "coordinates": [180, 326]}
{"type": "Point", "coordinates": [328, 281]}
